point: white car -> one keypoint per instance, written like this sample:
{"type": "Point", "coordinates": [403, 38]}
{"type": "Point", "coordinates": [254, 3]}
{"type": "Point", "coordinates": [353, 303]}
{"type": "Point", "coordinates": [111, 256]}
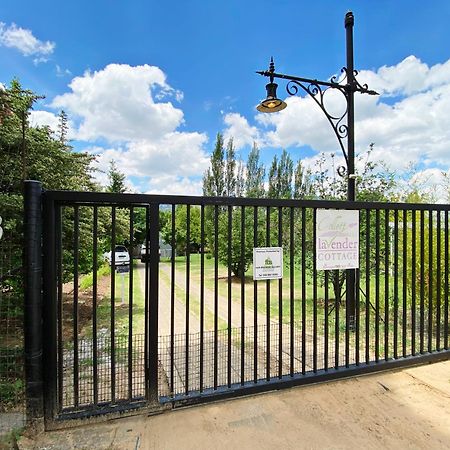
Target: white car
{"type": "Point", "coordinates": [121, 256]}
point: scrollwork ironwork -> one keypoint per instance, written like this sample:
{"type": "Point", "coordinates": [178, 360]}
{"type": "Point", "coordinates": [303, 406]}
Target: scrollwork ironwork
{"type": "Point", "coordinates": [317, 93]}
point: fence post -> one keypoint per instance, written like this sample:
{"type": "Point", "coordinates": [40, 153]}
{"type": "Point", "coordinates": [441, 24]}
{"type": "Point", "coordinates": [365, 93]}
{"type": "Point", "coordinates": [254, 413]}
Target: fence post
{"type": "Point", "coordinates": [33, 302]}
{"type": "Point", "coordinates": [153, 304]}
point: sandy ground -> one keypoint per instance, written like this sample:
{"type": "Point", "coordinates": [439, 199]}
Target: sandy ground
{"type": "Point", "coordinates": [393, 410]}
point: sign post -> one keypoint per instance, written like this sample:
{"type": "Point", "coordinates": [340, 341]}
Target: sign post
{"type": "Point", "coordinates": [122, 270]}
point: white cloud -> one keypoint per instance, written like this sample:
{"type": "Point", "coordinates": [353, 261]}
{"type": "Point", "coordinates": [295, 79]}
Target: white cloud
{"type": "Point", "coordinates": [118, 104]}
{"type": "Point", "coordinates": [174, 185]}
{"type": "Point", "coordinates": [239, 129]}
{"type": "Point", "coordinates": [179, 154]}
{"type": "Point", "coordinates": [44, 118]}
{"type": "Point", "coordinates": [23, 40]}
{"type": "Point", "coordinates": [128, 107]}
{"type": "Point", "coordinates": [60, 72]}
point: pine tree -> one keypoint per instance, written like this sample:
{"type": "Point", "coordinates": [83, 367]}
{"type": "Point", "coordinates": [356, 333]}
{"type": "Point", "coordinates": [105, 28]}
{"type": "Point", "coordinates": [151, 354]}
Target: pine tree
{"type": "Point", "coordinates": [63, 127]}
{"type": "Point", "coordinates": [116, 179]}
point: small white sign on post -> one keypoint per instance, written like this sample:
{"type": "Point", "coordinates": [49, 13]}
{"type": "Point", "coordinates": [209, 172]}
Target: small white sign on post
{"type": "Point", "coordinates": [267, 263]}
{"type": "Point", "coordinates": [337, 239]}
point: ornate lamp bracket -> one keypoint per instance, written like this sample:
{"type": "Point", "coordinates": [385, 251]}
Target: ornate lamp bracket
{"type": "Point", "coordinates": [346, 84]}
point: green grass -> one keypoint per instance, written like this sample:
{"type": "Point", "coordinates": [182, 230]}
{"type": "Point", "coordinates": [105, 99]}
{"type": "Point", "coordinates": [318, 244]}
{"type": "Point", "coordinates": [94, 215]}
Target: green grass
{"type": "Point", "coordinates": [88, 280]}
{"type": "Point", "coordinates": [121, 308]}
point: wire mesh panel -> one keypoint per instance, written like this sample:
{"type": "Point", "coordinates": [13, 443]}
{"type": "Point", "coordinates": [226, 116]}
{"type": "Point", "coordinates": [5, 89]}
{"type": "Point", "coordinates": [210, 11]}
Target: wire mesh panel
{"type": "Point", "coordinates": [12, 368]}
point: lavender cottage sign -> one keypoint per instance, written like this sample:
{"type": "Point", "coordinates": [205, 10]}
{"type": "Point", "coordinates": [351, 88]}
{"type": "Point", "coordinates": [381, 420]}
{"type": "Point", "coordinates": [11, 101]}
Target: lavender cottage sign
{"type": "Point", "coordinates": [337, 239]}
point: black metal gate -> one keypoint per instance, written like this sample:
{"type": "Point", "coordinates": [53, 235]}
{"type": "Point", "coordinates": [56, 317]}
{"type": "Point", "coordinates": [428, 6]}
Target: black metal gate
{"type": "Point", "coordinates": [189, 323]}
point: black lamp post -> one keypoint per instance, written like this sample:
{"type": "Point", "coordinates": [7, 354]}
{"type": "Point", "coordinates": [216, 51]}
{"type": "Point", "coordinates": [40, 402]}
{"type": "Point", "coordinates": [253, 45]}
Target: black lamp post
{"type": "Point", "coordinates": [343, 129]}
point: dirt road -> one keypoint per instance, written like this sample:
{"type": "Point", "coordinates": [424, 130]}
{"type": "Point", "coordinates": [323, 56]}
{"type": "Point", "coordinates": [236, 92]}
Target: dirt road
{"type": "Point", "coordinates": [194, 294]}
{"type": "Point", "coordinates": [393, 410]}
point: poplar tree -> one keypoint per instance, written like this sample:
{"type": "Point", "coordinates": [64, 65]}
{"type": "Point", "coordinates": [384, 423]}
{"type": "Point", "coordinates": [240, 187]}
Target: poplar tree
{"type": "Point", "coordinates": [214, 179]}
{"type": "Point", "coordinates": [230, 176]}
{"type": "Point", "coordinates": [254, 182]}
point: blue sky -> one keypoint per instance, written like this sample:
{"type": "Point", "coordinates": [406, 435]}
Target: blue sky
{"type": "Point", "coordinates": [151, 83]}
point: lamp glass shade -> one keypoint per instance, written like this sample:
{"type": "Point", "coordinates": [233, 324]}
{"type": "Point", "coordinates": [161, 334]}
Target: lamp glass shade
{"type": "Point", "coordinates": [271, 103]}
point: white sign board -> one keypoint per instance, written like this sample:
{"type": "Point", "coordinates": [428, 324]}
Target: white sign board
{"type": "Point", "coordinates": [337, 239]}
{"type": "Point", "coordinates": [267, 263]}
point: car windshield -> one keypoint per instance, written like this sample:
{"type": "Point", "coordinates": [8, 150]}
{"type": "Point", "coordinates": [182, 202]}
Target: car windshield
{"type": "Point", "coordinates": [120, 248]}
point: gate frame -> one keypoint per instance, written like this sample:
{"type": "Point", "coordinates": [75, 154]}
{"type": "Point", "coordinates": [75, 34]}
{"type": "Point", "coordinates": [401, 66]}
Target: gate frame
{"type": "Point", "coordinates": [43, 216]}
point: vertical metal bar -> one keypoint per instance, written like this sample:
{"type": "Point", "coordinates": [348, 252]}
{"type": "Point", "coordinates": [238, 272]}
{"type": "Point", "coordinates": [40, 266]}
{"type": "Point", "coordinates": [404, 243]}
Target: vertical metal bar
{"type": "Point", "coordinates": [357, 298]}
{"type": "Point", "coordinates": [387, 275]}
{"type": "Point", "coordinates": [33, 306]}
{"type": "Point", "coordinates": [430, 280]}
{"type": "Point", "coordinates": [229, 326]}
{"type": "Point", "coordinates": [303, 228]}
{"type": "Point", "coordinates": [94, 302]}
{"type": "Point", "coordinates": [315, 298]}
{"type": "Point", "coordinates": [325, 331]}
{"type": "Point", "coordinates": [202, 292]}
{"type": "Point", "coordinates": [255, 301]}
{"type": "Point", "coordinates": [113, 306]}
{"type": "Point", "coordinates": [147, 301]}
{"type": "Point", "coordinates": [188, 287]}
{"type": "Point", "coordinates": [242, 295]}
{"type": "Point", "coordinates": [292, 291]}
{"type": "Point", "coordinates": [280, 299]}
{"type": "Point", "coordinates": [153, 302]}
{"type": "Point", "coordinates": [438, 281]}
{"type": "Point", "coordinates": [404, 281]}
{"type": "Point", "coordinates": [357, 322]}
{"type": "Point", "coordinates": [446, 249]}
{"type": "Point", "coordinates": [59, 276]}
{"type": "Point", "coordinates": [268, 300]}
{"type": "Point", "coordinates": [368, 296]}
{"type": "Point", "coordinates": [337, 304]}
{"type": "Point", "coordinates": [130, 309]}
{"type": "Point", "coordinates": [216, 290]}
{"type": "Point", "coordinates": [377, 285]}
{"type": "Point", "coordinates": [46, 339]}
{"type": "Point", "coordinates": [422, 279]}
{"type": "Point", "coordinates": [76, 231]}
{"type": "Point", "coordinates": [172, 301]}
{"type": "Point", "coordinates": [396, 242]}
{"type": "Point", "coordinates": [413, 282]}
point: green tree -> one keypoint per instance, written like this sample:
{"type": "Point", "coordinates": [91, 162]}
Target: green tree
{"type": "Point", "coordinates": [280, 176]}
{"type": "Point", "coordinates": [254, 182]}
{"type": "Point", "coordinates": [230, 168]}
{"type": "Point", "coordinates": [240, 181]}
{"type": "Point", "coordinates": [116, 179]}
{"type": "Point", "coordinates": [63, 127]}
{"type": "Point", "coordinates": [303, 184]}
{"type": "Point", "coordinates": [34, 153]}
{"type": "Point", "coordinates": [214, 177]}
{"type": "Point", "coordinates": [181, 226]}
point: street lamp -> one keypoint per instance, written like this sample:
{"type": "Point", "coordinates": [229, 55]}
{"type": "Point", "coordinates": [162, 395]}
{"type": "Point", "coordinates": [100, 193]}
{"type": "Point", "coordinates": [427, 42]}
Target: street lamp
{"type": "Point", "coordinates": [344, 130]}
